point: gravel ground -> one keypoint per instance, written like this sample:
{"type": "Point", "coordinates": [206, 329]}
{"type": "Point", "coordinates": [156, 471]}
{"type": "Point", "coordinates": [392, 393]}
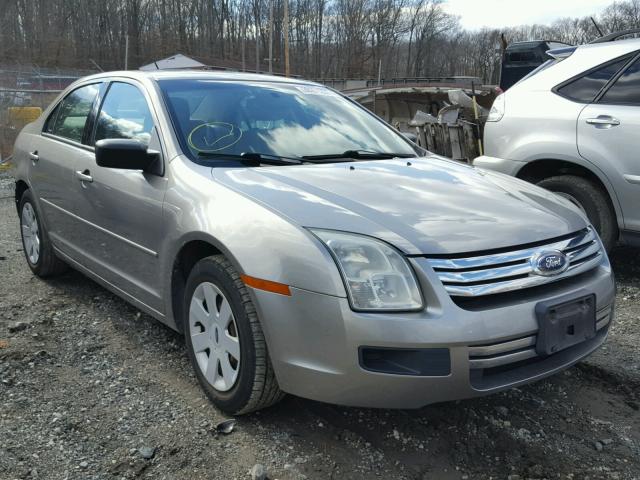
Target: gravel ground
{"type": "Point", "coordinates": [92, 389]}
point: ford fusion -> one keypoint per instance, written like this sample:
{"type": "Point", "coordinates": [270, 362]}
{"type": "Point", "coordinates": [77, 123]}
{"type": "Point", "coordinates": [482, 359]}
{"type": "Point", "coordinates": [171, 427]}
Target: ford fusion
{"type": "Point", "coordinates": [302, 245]}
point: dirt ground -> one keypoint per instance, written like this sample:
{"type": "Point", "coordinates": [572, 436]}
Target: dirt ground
{"type": "Point", "coordinates": [92, 389]}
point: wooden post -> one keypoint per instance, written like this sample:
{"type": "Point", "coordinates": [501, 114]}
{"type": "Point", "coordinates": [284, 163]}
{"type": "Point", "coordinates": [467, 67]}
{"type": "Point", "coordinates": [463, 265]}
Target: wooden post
{"type": "Point", "coordinates": [244, 31]}
{"type": "Point", "coordinates": [286, 38]}
{"type": "Point", "coordinates": [257, 50]}
{"type": "Point", "coordinates": [476, 117]}
{"type": "Point", "coordinates": [126, 52]}
{"type": "Point", "coordinates": [270, 36]}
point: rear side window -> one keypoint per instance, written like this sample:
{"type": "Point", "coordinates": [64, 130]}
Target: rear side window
{"type": "Point", "coordinates": [585, 88]}
{"type": "Point", "coordinates": [626, 89]}
{"type": "Point", "coordinates": [73, 112]}
{"type": "Point", "coordinates": [124, 114]}
{"type": "Point", "coordinates": [50, 123]}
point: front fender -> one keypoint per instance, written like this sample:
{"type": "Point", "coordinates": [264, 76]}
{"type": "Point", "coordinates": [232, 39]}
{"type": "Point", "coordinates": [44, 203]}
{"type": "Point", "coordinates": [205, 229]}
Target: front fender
{"type": "Point", "coordinates": [257, 241]}
{"type": "Point", "coordinates": [583, 163]}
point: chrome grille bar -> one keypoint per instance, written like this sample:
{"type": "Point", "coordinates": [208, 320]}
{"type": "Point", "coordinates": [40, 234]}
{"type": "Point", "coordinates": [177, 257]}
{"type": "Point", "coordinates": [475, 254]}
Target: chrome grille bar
{"type": "Point", "coordinates": [485, 274]}
{"type": "Point", "coordinates": [498, 348]}
{"type": "Point", "coordinates": [503, 272]}
{"type": "Point", "coordinates": [505, 359]}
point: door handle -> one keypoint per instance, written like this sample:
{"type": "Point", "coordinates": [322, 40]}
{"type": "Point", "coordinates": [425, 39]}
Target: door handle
{"type": "Point", "coordinates": [34, 156]}
{"type": "Point", "coordinates": [603, 121]}
{"type": "Point", "coordinates": [84, 176]}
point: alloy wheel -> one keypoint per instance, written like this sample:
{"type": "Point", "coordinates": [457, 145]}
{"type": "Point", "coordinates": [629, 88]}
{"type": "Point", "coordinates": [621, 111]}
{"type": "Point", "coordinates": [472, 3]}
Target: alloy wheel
{"type": "Point", "coordinates": [214, 336]}
{"type": "Point", "coordinates": [30, 233]}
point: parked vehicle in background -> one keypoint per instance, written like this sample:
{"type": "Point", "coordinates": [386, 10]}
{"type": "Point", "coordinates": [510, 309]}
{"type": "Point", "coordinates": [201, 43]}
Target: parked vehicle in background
{"type": "Point", "coordinates": [573, 127]}
{"type": "Point", "coordinates": [521, 58]}
{"type": "Point", "coordinates": [302, 245]}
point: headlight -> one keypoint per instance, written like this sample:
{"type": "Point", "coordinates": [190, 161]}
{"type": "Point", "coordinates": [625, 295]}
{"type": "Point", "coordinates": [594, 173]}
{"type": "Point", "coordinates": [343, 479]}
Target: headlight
{"type": "Point", "coordinates": [497, 109]}
{"type": "Point", "coordinates": [376, 276]}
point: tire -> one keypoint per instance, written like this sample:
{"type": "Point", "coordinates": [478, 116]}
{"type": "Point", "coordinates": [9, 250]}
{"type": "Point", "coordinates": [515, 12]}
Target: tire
{"type": "Point", "coordinates": [592, 199]}
{"type": "Point", "coordinates": [36, 244]}
{"type": "Point", "coordinates": [235, 385]}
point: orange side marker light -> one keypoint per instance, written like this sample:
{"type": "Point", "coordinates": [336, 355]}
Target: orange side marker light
{"type": "Point", "coordinates": [266, 285]}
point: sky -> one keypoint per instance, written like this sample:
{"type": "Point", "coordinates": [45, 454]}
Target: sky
{"type": "Point", "coordinates": [475, 14]}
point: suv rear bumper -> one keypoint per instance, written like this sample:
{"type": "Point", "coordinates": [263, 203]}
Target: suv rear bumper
{"type": "Point", "coordinates": [508, 167]}
{"type": "Point", "coordinates": [315, 343]}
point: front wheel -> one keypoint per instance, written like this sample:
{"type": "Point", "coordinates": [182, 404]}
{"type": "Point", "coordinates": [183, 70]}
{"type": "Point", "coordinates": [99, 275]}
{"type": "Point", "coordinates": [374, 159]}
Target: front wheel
{"type": "Point", "coordinates": [224, 339]}
{"type": "Point", "coordinates": [592, 200]}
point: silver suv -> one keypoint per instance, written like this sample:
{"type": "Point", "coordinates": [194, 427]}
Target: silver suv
{"type": "Point", "coordinates": [572, 126]}
{"type": "Point", "coordinates": [302, 245]}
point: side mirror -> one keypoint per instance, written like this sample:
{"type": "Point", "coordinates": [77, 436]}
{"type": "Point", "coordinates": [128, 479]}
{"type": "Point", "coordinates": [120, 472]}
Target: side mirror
{"type": "Point", "coordinates": [124, 153]}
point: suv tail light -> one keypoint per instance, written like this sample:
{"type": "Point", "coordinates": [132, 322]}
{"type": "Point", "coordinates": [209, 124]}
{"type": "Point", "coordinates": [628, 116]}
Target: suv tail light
{"type": "Point", "coordinates": [497, 109]}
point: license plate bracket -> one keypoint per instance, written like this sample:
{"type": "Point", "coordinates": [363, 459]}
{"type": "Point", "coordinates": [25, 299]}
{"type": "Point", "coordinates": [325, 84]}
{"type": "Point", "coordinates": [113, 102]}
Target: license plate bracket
{"type": "Point", "coordinates": [563, 323]}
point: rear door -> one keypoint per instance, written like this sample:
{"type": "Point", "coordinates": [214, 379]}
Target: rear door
{"type": "Point", "coordinates": [609, 136]}
{"type": "Point", "coordinates": [53, 157]}
{"type": "Point", "coordinates": [124, 207]}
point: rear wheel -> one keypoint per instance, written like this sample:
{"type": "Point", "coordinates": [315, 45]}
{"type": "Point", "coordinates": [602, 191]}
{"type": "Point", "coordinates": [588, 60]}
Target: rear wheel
{"type": "Point", "coordinates": [225, 341]}
{"type": "Point", "coordinates": [37, 247]}
{"type": "Point", "coordinates": [591, 199]}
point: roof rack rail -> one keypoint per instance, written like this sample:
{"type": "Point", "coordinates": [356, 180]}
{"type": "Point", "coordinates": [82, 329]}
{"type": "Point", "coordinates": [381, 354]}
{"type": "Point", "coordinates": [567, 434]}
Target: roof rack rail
{"type": "Point", "coordinates": [615, 35]}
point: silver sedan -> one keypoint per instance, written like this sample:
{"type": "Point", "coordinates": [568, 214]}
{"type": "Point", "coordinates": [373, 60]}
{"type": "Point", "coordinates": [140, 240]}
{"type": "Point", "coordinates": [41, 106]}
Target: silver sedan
{"type": "Point", "coordinates": [302, 245]}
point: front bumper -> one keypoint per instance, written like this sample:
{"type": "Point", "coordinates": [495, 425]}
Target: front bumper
{"type": "Point", "coordinates": [314, 342]}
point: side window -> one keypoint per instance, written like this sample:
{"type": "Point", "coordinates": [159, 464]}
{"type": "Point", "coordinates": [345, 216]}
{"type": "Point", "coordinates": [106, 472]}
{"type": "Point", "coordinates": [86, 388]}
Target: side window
{"type": "Point", "coordinates": [124, 114]}
{"type": "Point", "coordinates": [49, 124]}
{"type": "Point", "coordinates": [585, 88]}
{"type": "Point", "coordinates": [626, 89]}
{"type": "Point", "coordinates": [73, 113]}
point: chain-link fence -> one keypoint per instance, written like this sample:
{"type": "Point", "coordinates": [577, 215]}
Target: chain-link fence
{"type": "Point", "coordinates": [25, 91]}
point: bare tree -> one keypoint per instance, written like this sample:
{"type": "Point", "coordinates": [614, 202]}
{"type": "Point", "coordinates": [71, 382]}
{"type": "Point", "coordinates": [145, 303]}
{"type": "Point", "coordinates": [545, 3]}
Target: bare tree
{"type": "Point", "coordinates": [350, 38]}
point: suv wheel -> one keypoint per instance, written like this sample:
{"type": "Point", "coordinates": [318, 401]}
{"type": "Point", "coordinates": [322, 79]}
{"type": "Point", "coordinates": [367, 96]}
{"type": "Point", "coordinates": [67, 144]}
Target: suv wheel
{"type": "Point", "coordinates": [591, 199]}
{"type": "Point", "coordinates": [225, 341]}
{"type": "Point", "coordinates": [35, 242]}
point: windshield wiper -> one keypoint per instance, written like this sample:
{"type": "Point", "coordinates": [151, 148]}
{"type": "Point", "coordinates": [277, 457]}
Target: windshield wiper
{"type": "Point", "coordinates": [254, 158]}
{"type": "Point", "coordinates": [359, 155]}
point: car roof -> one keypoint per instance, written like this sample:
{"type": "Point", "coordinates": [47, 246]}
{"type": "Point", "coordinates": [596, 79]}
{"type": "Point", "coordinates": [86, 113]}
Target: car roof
{"type": "Point", "coordinates": [594, 54]}
{"type": "Point", "coordinates": [582, 59]}
{"type": "Point", "coordinates": [222, 75]}
{"type": "Point", "coordinates": [628, 44]}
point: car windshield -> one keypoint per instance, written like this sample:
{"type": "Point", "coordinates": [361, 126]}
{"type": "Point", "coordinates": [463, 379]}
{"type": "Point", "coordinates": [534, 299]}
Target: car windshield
{"type": "Point", "coordinates": [214, 117]}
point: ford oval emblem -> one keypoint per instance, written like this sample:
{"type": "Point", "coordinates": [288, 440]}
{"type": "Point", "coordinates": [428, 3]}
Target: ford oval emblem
{"type": "Point", "coordinates": [549, 262]}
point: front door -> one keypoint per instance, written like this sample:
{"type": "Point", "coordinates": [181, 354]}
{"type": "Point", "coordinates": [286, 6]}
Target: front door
{"type": "Point", "coordinates": [609, 136]}
{"type": "Point", "coordinates": [124, 207]}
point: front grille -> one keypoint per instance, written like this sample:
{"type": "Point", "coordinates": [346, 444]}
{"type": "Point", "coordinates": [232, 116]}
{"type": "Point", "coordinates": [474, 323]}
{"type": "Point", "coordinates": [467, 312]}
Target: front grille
{"type": "Point", "coordinates": [514, 351]}
{"type": "Point", "coordinates": [507, 271]}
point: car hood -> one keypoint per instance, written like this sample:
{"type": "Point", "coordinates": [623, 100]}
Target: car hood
{"type": "Point", "coordinates": [429, 205]}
